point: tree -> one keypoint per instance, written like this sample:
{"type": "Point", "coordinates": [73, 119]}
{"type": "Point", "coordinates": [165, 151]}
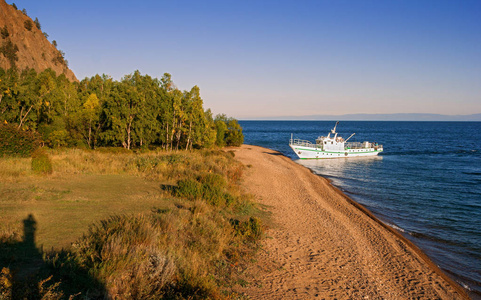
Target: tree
{"type": "Point", "coordinates": [210, 132]}
{"type": "Point", "coordinates": [91, 116]}
{"type": "Point", "coordinates": [194, 117]}
{"type": "Point", "coordinates": [221, 129]}
{"type": "Point", "coordinates": [234, 133]}
{"type": "Point", "coordinates": [122, 109]}
{"type": "Point", "coordinates": [229, 132]}
{"type": "Point", "coordinates": [37, 23]}
{"type": "Point", "coordinates": [137, 111]}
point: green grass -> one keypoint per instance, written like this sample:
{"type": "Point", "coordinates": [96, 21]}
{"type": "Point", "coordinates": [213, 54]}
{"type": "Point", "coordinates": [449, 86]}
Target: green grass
{"type": "Point", "coordinates": [116, 223]}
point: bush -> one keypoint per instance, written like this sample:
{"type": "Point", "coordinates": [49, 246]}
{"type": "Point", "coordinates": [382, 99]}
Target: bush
{"type": "Point", "coordinates": [188, 188]}
{"type": "Point", "coordinates": [250, 229]}
{"type": "Point", "coordinates": [4, 32]}
{"type": "Point", "coordinates": [213, 186]}
{"type": "Point", "coordinates": [28, 25]}
{"type": "Point", "coordinates": [17, 142]}
{"type": "Point", "coordinates": [9, 50]}
{"type": "Point", "coordinates": [41, 162]}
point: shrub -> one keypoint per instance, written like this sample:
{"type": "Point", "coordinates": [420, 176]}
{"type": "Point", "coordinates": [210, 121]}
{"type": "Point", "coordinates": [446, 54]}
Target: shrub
{"type": "Point", "coordinates": [17, 142]}
{"type": "Point", "coordinates": [4, 32]}
{"type": "Point", "coordinates": [250, 229]}
{"type": "Point", "coordinates": [28, 24]}
{"type": "Point", "coordinates": [213, 186]}
{"type": "Point", "coordinates": [9, 50]}
{"type": "Point", "coordinates": [41, 162]}
{"type": "Point", "coordinates": [189, 188]}
{"type": "Point", "coordinates": [6, 283]}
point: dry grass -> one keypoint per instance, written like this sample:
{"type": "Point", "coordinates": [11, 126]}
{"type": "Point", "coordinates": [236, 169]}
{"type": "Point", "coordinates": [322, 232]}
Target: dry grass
{"type": "Point", "coordinates": [134, 233]}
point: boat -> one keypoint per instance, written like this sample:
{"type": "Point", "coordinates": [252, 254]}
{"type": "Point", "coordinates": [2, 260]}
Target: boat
{"type": "Point", "coordinates": [333, 146]}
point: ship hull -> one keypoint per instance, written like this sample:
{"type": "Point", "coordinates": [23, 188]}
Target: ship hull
{"type": "Point", "coordinates": [304, 152]}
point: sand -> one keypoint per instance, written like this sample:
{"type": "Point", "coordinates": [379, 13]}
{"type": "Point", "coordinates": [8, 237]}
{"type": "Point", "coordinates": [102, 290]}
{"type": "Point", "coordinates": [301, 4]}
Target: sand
{"type": "Point", "coordinates": [324, 245]}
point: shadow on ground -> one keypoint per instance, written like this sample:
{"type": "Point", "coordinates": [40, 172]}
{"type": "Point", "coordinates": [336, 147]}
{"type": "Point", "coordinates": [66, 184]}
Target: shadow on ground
{"type": "Point", "coordinates": [27, 272]}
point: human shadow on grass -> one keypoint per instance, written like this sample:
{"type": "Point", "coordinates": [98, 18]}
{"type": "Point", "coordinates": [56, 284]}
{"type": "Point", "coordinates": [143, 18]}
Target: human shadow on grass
{"type": "Point", "coordinates": [27, 272]}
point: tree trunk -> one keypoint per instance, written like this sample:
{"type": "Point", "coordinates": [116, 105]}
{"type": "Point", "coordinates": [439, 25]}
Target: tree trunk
{"type": "Point", "coordinates": [90, 134]}
{"type": "Point", "coordinates": [25, 116]}
{"type": "Point", "coordinates": [189, 137]}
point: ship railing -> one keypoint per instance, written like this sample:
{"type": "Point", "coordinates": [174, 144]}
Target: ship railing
{"type": "Point", "coordinates": [302, 143]}
{"type": "Point", "coordinates": [358, 145]}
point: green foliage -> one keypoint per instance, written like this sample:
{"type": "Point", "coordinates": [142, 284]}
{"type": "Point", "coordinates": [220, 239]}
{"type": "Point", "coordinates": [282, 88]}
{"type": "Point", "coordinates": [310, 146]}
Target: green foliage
{"type": "Point", "coordinates": [221, 129]}
{"type": "Point", "coordinates": [14, 6]}
{"type": "Point", "coordinates": [9, 50]}
{"type": "Point", "coordinates": [229, 132]}
{"type": "Point", "coordinates": [17, 142]}
{"type": "Point", "coordinates": [54, 43]}
{"type": "Point", "coordinates": [24, 11]}
{"type": "Point", "coordinates": [209, 187]}
{"type": "Point", "coordinates": [37, 23]}
{"type": "Point", "coordinates": [234, 136]}
{"type": "Point", "coordinates": [137, 112]}
{"type": "Point", "coordinates": [41, 162]}
{"type": "Point", "coordinates": [4, 32]}
{"type": "Point", "coordinates": [28, 24]}
{"type": "Point", "coordinates": [213, 189]}
{"type": "Point", "coordinates": [250, 229]}
{"type": "Point", "coordinates": [60, 58]}
{"type": "Point", "coordinates": [189, 189]}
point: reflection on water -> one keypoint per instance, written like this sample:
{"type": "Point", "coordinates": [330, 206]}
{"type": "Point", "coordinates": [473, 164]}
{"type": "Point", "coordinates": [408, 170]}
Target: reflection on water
{"type": "Point", "coordinates": [343, 167]}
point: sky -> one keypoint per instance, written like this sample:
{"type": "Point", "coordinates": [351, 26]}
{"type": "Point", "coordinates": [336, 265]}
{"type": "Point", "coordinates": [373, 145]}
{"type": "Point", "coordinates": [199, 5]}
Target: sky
{"type": "Point", "coordinates": [255, 59]}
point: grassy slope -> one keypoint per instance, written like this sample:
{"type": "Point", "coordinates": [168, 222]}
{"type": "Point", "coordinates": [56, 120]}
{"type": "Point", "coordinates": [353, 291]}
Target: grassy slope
{"type": "Point", "coordinates": [64, 207]}
{"type": "Point", "coordinates": [203, 241]}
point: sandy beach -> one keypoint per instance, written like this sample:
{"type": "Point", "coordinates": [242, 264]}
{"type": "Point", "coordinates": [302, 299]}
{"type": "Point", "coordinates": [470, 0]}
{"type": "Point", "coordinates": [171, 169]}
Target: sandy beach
{"type": "Point", "coordinates": [324, 245]}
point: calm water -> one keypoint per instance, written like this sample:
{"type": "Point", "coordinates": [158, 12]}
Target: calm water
{"type": "Point", "coordinates": [426, 184]}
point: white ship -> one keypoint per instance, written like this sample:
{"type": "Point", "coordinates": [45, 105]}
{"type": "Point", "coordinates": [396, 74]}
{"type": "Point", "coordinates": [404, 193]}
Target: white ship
{"type": "Point", "coordinates": [333, 147]}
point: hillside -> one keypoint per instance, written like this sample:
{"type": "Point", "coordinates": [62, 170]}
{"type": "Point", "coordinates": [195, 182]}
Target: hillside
{"type": "Point", "coordinates": [24, 45]}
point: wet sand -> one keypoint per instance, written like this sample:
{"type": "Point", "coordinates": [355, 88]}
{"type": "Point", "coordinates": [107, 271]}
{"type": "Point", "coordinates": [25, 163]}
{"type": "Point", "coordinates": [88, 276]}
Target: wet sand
{"type": "Point", "coordinates": [324, 245]}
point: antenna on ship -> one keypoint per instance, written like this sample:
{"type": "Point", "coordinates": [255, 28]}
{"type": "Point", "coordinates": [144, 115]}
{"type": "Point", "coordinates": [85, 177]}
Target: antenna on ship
{"type": "Point", "coordinates": [350, 137]}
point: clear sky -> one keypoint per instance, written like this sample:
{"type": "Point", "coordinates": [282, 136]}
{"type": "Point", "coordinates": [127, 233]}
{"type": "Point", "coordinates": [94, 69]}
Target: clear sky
{"type": "Point", "coordinates": [275, 58]}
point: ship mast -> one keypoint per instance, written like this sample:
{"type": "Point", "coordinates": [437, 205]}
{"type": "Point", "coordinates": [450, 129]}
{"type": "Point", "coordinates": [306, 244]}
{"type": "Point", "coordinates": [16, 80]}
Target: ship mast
{"type": "Point", "coordinates": [334, 130]}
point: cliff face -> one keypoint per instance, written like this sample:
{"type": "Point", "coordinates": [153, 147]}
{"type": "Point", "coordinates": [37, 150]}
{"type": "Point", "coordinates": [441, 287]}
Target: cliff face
{"type": "Point", "coordinates": [24, 45]}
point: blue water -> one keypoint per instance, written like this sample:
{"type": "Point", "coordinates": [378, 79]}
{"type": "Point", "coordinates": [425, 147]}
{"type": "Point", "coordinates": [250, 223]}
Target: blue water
{"type": "Point", "coordinates": [426, 183]}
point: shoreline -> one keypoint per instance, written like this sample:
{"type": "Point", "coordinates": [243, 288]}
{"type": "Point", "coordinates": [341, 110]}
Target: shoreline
{"type": "Point", "coordinates": [381, 262]}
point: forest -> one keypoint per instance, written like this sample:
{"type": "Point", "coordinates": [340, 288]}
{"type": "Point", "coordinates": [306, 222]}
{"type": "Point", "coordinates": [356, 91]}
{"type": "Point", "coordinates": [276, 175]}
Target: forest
{"type": "Point", "coordinates": [136, 112]}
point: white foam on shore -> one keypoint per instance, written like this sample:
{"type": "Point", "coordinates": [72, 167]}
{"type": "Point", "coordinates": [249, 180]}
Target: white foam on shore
{"type": "Point", "coordinates": [396, 227]}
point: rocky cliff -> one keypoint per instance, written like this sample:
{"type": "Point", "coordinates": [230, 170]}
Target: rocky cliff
{"type": "Point", "coordinates": [23, 45]}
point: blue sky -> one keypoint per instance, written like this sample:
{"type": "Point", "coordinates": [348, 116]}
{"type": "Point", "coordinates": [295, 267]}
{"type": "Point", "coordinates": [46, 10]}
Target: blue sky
{"type": "Point", "coordinates": [254, 59]}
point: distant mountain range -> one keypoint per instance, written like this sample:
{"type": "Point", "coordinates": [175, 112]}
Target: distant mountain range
{"type": "Point", "coordinates": [378, 117]}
